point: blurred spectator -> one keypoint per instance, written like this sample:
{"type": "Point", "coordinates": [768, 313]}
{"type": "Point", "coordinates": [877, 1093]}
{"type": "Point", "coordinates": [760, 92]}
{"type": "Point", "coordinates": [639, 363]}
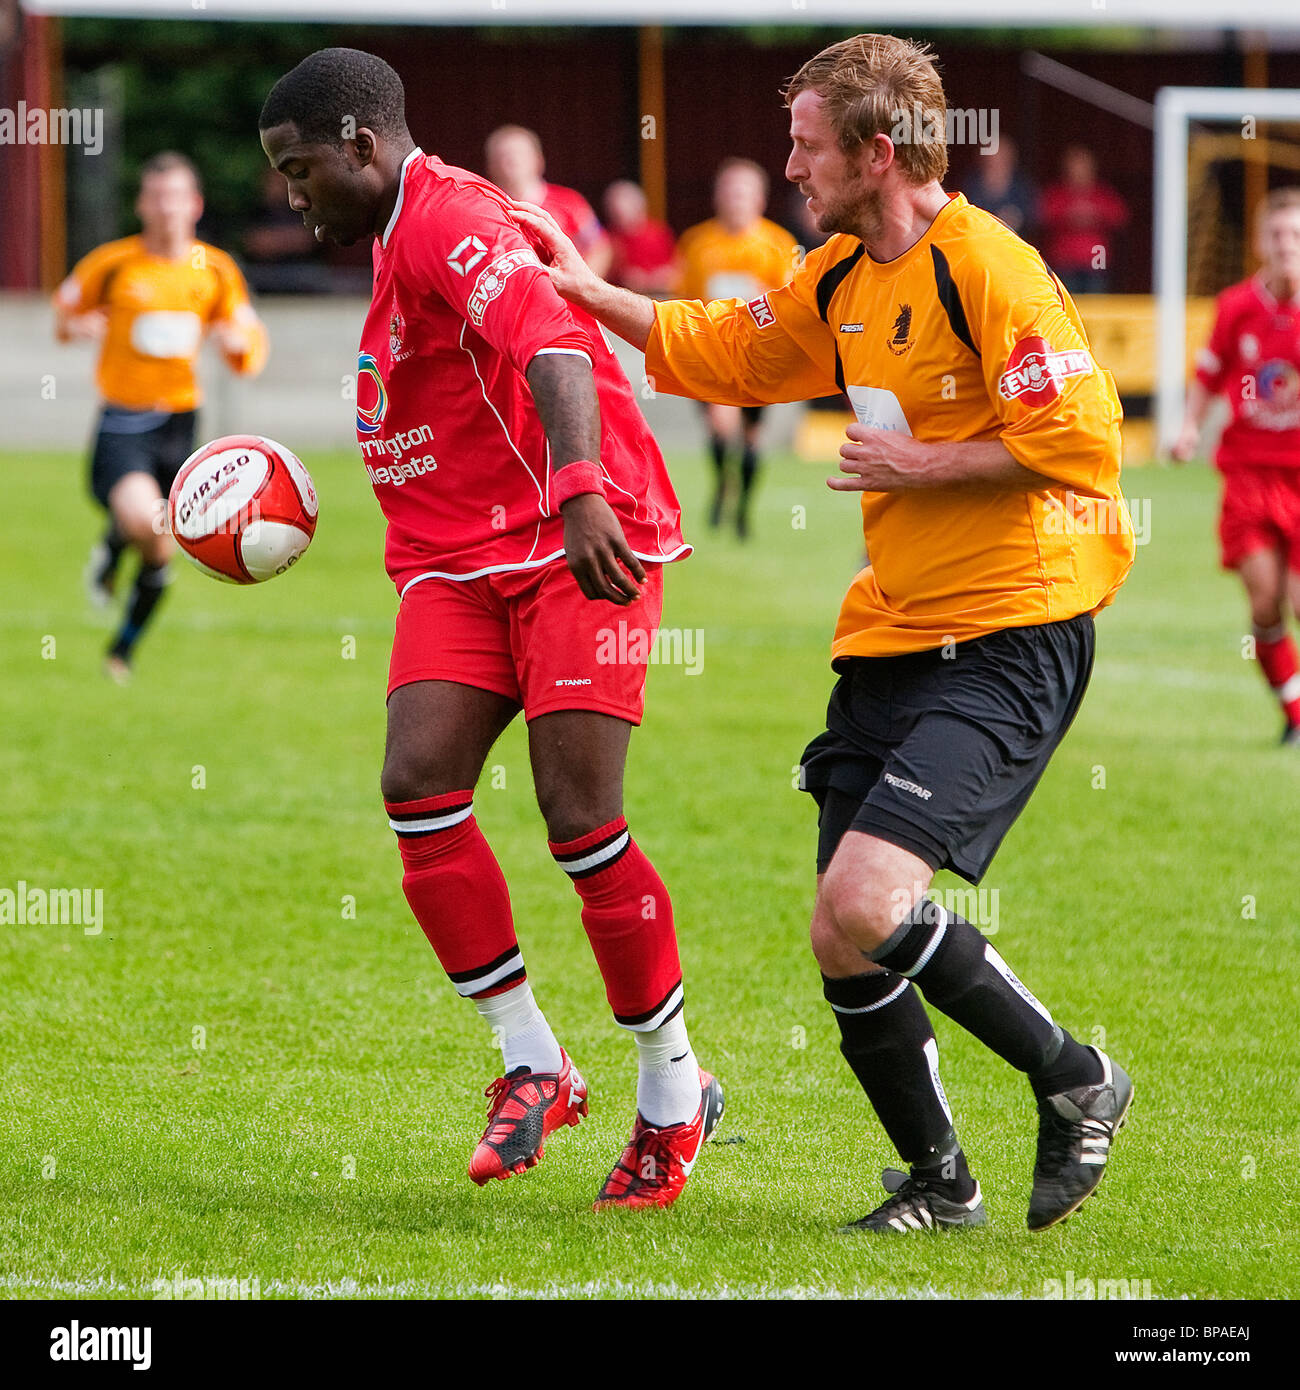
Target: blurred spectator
{"type": "Point", "coordinates": [515, 163]}
{"type": "Point", "coordinates": [281, 255]}
{"type": "Point", "coordinates": [996, 184]}
{"type": "Point", "coordinates": [645, 254]}
{"type": "Point", "coordinates": [738, 254]}
{"type": "Point", "coordinates": [1080, 216]}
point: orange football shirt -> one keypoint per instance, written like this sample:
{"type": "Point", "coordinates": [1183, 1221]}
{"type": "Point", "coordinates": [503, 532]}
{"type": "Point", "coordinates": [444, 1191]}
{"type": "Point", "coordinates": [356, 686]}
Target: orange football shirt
{"type": "Point", "coordinates": [158, 311]}
{"type": "Point", "coordinates": [965, 336]}
{"type": "Point", "coordinates": [718, 264]}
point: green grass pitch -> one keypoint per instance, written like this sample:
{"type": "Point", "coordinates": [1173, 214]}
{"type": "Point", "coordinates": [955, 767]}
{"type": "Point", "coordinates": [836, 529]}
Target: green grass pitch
{"type": "Point", "coordinates": [257, 1072]}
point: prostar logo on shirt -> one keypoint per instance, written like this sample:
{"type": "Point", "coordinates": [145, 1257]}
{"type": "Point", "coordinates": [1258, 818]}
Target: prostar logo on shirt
{"type": "Point", "coordinates": [370, 417]}
{"type": "Point", "coordinates": [492, 280]}
{"type": "Point", "coordinates": [466, 254]}
{"type": "Point", "coordinates": [1035, 372]}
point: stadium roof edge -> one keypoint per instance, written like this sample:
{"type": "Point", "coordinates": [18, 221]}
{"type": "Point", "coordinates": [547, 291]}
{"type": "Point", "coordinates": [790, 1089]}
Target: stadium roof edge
{"type": "Point", "coordinates": [1186, 14]}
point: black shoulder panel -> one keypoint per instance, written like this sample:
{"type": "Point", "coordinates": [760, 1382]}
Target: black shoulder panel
{"type": "Point", "coordinates": [950, 299]}
{"type": "Point", "coordinates": [833, 279]}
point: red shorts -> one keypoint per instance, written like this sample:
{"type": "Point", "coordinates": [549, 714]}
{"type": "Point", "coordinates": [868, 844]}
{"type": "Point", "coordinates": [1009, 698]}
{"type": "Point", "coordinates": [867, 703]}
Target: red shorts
{"type": "Point", "coordinates": [1260, 511]}
{"type": "Point", "coordinates": [530, 635]}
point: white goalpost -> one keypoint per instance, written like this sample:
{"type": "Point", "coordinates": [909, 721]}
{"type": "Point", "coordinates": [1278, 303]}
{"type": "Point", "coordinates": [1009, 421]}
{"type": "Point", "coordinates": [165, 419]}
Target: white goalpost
{"type": "Point", "coordinates": [1176, 109]}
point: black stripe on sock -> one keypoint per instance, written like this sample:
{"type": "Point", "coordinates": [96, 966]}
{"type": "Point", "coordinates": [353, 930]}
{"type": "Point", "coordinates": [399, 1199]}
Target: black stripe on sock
{"type": "Point", "coordinates": [462, 977]}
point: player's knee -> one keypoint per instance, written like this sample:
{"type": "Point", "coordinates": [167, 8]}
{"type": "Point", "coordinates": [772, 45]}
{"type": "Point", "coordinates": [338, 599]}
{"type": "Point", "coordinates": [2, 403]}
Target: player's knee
{"type": "Point", "coordinates": [836, 955]}
{"type": "Point", "coordinates": [571, 811]}
{"type": "Point", "coordinates": [409, 776]}
{"type": "Point", "coordinates": [866, 909]}
{"type": "Point", "coordinates": [156, 548]}
{"type": "Point", "coordinates": [1266, 612]}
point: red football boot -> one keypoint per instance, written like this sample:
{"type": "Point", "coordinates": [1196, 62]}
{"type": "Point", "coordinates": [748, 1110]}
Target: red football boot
{"type": "Point", "coordinates": [656, 1163]}
{"type": "Point", "coordinates": [523, 1109]}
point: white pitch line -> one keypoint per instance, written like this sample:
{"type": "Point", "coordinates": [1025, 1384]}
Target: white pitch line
{"type": "Point", "coordinates": [413, 1289]}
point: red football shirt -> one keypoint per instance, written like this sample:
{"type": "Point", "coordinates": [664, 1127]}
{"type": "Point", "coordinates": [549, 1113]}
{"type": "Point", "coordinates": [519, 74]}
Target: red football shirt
{"type": "Point", "coordinates": [577, 218]}
{"type": "Point", "coordinates": [1253, 359]}
{"type": "Point", "coordinates": [447, 426]}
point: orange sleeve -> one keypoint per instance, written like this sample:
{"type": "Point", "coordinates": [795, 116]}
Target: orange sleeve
{"type": "Point", "coordinates": [1059, 409]}
{"type": "Point", "coordinates": [773, 348]}
{"type": "Point", "coordinates": [232, 305]}
{"type": "Point", "coordinates": [83, 289]}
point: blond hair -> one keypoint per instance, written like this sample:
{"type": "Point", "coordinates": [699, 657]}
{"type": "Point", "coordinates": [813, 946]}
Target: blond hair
{"type": "Point", "coordinates": [876, 84]}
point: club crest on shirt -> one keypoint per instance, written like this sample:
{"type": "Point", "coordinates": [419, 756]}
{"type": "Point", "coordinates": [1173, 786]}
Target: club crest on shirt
{"type": "Point", "coordinates": [901, 329]}
{"type": "Point", "coordinates": [396, 328]}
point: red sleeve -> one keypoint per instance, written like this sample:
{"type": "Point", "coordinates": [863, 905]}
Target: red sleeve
{"type": "Point", "coordinates": [1214, 360]}
{"type": "Point", "coordinates": [465, 249]}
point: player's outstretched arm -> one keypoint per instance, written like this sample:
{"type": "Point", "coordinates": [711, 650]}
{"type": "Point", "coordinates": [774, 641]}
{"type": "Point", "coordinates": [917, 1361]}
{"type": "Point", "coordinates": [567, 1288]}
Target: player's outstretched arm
{"type": "Point", "coordinates": [594, 545]}
{"type": "Point", "coordinates": [631, 316]}
{"type": "Point", "coordinates": [1198, 401]}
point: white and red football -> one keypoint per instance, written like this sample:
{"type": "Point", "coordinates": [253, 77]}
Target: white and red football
{"type": "Point", "coordinates": [243, 508]}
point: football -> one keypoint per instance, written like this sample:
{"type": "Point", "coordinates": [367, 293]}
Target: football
{"type": "Point", "coordinates": [243, 508]}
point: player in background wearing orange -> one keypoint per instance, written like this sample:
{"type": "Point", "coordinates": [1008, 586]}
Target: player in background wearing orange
{"type": "Point", "coordinates": [1253, 359]}
{"type": "Point", "coordinates": [515, 163]}
{"type": "Point", "coordinates": [147, 300]}
{"type": "Point", "coordinates": [737, 254]}
{"type": "Point", "coordinates": [987, 458]}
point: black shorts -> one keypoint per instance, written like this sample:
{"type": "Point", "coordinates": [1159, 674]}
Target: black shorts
{"type": "Point", "coordinates": [939, 755]}
{"type": "Point", "coordinates": [140, 441]}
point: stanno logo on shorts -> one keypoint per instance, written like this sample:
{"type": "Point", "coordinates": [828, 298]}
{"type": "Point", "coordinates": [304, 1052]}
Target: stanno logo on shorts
{"type": "Point", "coordinates": [904, 785]}
{"type": "Point", "coordinates": [761, 311]}
{"type": "Point", "coordinates": [573, 680]}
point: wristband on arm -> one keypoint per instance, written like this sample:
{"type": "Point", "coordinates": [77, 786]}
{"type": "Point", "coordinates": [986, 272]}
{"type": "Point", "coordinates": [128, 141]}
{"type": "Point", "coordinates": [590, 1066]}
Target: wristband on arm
{"type": "Point", "coordinates": [574, 479]}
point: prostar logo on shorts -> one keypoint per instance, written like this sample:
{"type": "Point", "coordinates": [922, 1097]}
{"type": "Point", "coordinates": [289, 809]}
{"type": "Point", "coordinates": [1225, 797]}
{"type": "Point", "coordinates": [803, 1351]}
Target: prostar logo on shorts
{"type": "Point", "coordinates": [1035, 372]}
{"type": "Point", "coordinates": [492, 281]}
{"type": "Point", "coordinates": [761, 311]}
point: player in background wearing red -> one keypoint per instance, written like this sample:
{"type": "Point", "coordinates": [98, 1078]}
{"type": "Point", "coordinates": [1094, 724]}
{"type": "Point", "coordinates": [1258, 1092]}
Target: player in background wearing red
{"type": "Point", "coordinates": [644, 249]}
{"type": "Point", "coordinates": [1253, 359]}
{"type": "Point", "coordinates": [516, 163]}
{"type": "Point", "coordinates": [502, 440]}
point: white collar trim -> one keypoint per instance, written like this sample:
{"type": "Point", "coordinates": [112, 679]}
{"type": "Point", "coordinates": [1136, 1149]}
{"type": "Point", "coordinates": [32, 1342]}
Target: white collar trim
{"type": "Point", "coordinates": [416, 153]}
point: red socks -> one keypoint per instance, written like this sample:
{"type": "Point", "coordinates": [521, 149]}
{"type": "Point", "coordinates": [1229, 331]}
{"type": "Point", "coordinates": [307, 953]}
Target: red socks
{"type": "Point", "coordinates": [628, 917]}
{"type": "Point", "coordinates": [1276, 654]}
{"type": "Point", "coordinates": [459, 897]}
{"type": "Point", "coordinates": [457, 893]}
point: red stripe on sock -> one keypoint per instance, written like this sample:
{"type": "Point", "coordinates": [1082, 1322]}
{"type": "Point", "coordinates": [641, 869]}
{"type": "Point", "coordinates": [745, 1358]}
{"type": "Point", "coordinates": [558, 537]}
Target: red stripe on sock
{"type": "Point", "coordinates": [456, 891]}
{"type": "Point", "coordinates": [594, 837]}
{"type": "Point", "coordinates": [628, 917]}
{"type": "Point", "coordinates": [426, 805]}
